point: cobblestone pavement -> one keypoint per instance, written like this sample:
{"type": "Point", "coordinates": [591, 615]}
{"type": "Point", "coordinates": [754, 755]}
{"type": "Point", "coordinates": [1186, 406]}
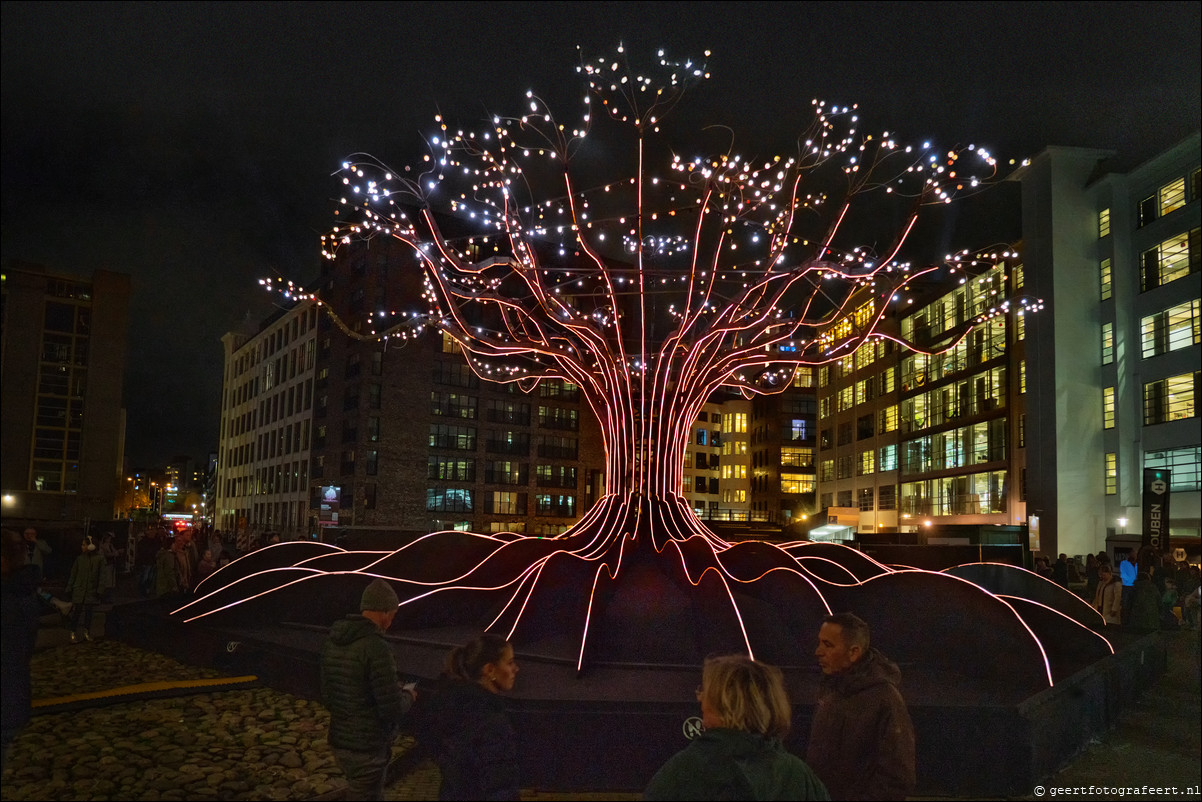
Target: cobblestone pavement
{"type": "Point", "coordinates": [256, 743]}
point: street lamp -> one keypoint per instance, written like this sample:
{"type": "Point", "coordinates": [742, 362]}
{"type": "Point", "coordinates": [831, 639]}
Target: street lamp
{"type": "Point", "coordinates": [1122, 522]}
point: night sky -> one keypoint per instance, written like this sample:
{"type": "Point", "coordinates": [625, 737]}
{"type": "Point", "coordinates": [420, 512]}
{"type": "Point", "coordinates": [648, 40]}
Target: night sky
{"type": "Point", "coordinates": [191, 145]}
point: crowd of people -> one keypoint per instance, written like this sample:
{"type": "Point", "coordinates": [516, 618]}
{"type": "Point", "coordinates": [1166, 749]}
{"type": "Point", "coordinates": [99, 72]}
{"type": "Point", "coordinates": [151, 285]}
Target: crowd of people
{"type": "Point", "coordinates": [861, 743]}
{"type": "Point", "coordinates": [1147, 592]}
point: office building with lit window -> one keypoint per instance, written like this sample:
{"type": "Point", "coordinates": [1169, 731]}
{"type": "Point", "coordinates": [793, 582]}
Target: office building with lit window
{"type": "Point", "coordinates": [62, 369]}
{"type": "Point", "coordinates": [1114, 380]}
{"type": "Point", "coordinates": [908, 441]}
{"type": "Point", "coordinates": [782, 438]}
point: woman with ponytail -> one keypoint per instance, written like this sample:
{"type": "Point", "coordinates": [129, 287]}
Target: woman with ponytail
{"type": "Point", "coordinates": [467, 728]}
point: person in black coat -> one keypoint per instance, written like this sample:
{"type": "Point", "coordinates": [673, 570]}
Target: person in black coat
{"type": "Point", "coordinates": [465, 726]}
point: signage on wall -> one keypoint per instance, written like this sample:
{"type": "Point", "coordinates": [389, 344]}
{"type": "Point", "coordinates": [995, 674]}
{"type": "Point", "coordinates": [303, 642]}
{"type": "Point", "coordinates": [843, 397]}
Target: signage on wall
{"type": "Point", "coordinates": [1156, 509]}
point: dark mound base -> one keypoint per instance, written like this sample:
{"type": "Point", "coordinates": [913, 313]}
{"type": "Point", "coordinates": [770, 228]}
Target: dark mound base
{"type": "Point", "coordinates": [611, 727]}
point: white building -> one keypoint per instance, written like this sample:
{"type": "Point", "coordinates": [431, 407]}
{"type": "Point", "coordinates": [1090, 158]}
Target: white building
{"type": "Point", "coordinates": [266, 419]}
{"type": "Point", "coordinates": [1113, 379]}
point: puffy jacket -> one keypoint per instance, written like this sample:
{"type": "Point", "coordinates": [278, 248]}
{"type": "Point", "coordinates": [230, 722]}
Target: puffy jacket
{"type": "Point", "coordinates": [84, 583]}
{"type": "Point", "coordinates": [467, 729]}
{"type": "Point", "coordinates": [359, 686]}
{"type": "Point", "coordinates": [733, 764]}
{"type": "Point", "coordinates": [862, 740]}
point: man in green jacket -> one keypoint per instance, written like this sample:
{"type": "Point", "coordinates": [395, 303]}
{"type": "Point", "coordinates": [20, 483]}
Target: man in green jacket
{"type": "Point", "coordinates": [360, 688]}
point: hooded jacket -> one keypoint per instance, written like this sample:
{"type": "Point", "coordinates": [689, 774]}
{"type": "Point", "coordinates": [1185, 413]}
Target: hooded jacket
{"type": "Point", "coordinates": [359, 686]}
{"type": "Point", "coordinates": [862, 740]}
{"type": "Point", "coordinates": [733, 764]}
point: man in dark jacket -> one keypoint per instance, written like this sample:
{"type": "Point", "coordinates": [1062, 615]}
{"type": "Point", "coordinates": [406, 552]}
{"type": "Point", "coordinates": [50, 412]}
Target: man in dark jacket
{"type": "Point", "coordinates": [862, 741]}
{"type": "Point", "coordinates": [359, 686]}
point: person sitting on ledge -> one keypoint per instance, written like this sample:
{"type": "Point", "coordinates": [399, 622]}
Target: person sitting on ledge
{"type": "Point", "coordinates": [862, 740]}
{"type": "Point", "coordinates": [746, 713]}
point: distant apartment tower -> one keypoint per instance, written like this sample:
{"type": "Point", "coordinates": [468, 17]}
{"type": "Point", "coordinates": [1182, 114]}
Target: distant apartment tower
{"type": "Point", "coordinates": [1114, 380]}
{"type": "Point", "coordinates": [62, 368]}
{"type": "Point", "coordinates": [407, 437]}
{"type": "Point", "coordinates": [782, 439]}
{"type": "Point", "coordinates": [702, 486]}
{"type": "Point", "coordinates": [391, 434]}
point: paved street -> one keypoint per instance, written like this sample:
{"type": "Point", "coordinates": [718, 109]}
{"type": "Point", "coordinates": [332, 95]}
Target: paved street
{"type": "Point", "coordinates": [257, 743]}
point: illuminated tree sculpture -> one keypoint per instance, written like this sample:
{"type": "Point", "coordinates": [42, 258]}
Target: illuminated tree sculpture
{"type": "Point", "coordinates": [652, 290]}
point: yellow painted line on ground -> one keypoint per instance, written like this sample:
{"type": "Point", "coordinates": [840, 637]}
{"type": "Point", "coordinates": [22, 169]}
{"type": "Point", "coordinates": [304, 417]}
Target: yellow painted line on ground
{"type": "Point", "coordinates": [144, 687]}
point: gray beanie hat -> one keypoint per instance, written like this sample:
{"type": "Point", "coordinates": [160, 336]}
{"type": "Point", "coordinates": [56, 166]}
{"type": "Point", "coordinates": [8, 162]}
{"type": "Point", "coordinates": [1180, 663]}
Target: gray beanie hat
{"type": "Point", "coordinates": [379, 596]}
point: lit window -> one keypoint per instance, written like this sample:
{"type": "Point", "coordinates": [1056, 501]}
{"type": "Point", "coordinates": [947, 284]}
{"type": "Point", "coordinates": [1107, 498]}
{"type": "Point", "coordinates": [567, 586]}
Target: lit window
{"type": "Point", "coordinates": [1112, 473]}
{"type": "Point", "coordinates": [1168, 198]}
{"type": "Point", "coordinates": [796, 483]}
{"type": "Point", "coordinates": [1171, 196]}
{"type": "Point", "coordinates": [1171, 330]}
{"type": "Point", "coordinates": [1108, 408]}
{"type": "Point", "coordinates": [1184, 465]}
{"type": "Point", "coordinates": [1104, 277]}
{"type": "Point", "coordinates": [1174, 258]}
{"type": "Point", "coordinates": [1103, 223]}
{"type": "Point", "coordinates": [1107, 343]}
{"type": "Point", "coordinates": [888, 419]}
{"type": "Point", "coordinates": [888, 461]}
{"type": "Point", "coordinates": [867, 463]}
{"type": "Point", "coordinates": [796, 457]}
{"type": "Point", "coordinates": [1171, 399]}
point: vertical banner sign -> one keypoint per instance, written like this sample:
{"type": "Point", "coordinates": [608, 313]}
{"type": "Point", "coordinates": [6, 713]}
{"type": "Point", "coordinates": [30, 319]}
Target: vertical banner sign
{"type": "Point", "coordinates": [1156, 509]}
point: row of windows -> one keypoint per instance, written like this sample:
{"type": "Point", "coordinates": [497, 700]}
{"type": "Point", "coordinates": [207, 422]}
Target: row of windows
{"type": "Point", "coordinates": [1168, 198]}
{"type": "Point", "coordinates": [287, 477]}
{"type": "Point", "coordinates": [499, 502]}
{"type": "Point", "coordinates": [960, 306]}
{"type": "Point", "coordinates": [346, 467]}
{"type": "Point", "coordinates": [1174, 258]}
{"type": "Point", "coordinates": [1171, 330]}
{"type": "Point", "coordinates": [1184, 464]}
{"type": "Point", "coordinates": [879, 349]}
{"type": "Point", "coordinates": [975, 494]}
{"type": "Point", "coordinates": [886, 498]}
{"type": "Point", "coordinates": [62, 380]}
{"type": "Point", "coordinates": [500, 472]}
{"type": "Point", "coordinates": [864, 464]}
{"type": "Point", "coordinates": [700, 484]}
{"type": "Point", "coordinates": [463, 438]}
{"type": "Point", "coordinates": [1174, 398]}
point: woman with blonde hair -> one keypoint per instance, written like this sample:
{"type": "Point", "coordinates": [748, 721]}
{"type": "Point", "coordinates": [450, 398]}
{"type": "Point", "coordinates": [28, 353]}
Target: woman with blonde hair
{"type": "Point", "coordinates": [746, 713]}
